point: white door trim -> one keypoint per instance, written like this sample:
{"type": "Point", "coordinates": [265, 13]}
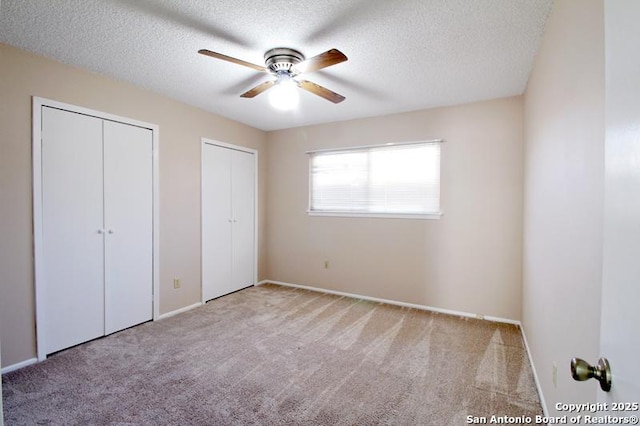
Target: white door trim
{"type": "Point", "coordinates": [39, 275]}
{"type": "Point", "coordinates": [206, 141]}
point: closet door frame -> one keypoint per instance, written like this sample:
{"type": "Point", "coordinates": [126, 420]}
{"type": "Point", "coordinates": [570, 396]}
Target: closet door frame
{"type": "Point", "coordinates": [39, 272]}
{"type": "Point", "coordinates": [206, 141]}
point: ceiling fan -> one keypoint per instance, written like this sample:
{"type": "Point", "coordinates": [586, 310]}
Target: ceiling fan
{"type": "Point", "coordinates": [287, 65]}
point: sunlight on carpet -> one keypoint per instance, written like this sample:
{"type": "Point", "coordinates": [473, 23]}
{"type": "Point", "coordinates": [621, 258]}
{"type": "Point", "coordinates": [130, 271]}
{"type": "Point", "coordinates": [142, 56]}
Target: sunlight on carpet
{"type": "Point", "coordinates": [273, 355]}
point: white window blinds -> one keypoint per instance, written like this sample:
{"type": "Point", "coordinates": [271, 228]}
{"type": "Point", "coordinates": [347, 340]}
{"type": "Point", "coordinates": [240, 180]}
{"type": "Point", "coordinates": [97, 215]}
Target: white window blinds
{"type": "Point", "coordinates": [401, 179]}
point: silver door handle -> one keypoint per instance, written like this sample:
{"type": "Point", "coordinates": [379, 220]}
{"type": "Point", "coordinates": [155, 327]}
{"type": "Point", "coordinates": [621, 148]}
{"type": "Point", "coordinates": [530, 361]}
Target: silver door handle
{"type": "Point", "coordinates": [111, 231]}
{"type": "Point", "coordinates": [581, 370]}
{"type": "Point", "coordinates": [100, 231]}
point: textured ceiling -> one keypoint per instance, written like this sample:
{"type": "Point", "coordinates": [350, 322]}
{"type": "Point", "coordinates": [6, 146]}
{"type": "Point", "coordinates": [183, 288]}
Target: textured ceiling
{"type": "Point", "coordinates": [403, 54]}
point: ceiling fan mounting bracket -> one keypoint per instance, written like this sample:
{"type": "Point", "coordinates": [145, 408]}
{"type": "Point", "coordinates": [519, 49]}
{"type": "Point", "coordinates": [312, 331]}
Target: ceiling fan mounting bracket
{"type": "Point", "coordinates": [282, 60]}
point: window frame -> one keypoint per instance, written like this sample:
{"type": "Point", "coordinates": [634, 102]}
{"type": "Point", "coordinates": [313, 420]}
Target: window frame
{"type": "Point", "coordinates": [338, 213]}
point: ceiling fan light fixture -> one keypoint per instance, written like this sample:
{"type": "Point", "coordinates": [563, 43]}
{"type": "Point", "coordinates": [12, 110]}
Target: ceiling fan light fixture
{"type": "Point", "coordinates": [284, 95]}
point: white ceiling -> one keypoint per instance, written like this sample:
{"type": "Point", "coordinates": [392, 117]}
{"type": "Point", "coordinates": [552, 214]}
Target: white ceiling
{"type": "Point", "coordinates": [403, 54]}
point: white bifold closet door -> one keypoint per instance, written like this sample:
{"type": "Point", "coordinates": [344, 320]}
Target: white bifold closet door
{"type": "Point", "coordinates": [128, 218]}
{"type": "Point", "coordinates": [73, 244]}
{"type": "Point", "coordinates": [228, 220]}
{"type": "Point", "coordinates": [96, 227]}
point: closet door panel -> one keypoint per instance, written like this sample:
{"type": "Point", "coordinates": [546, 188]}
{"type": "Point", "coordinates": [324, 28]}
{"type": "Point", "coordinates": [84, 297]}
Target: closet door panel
{"type": "Point", "coordinates": [243, 202]}
{"type": "Point", "coordinates": [72, 223]}
{"type": "Point", "coordinates": [128, 195]}
{"type": "Point", "coordinates": [216, 221]}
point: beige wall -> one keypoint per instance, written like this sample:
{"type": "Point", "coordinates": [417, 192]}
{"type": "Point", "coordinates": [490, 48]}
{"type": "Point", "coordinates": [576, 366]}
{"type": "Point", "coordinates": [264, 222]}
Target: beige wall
{"type": "Point", "coordinates": [469, 260]}
{"type": "Point", "coordinates": [564, 161]}
{"type": "Point", "coordinates": [181, 127]}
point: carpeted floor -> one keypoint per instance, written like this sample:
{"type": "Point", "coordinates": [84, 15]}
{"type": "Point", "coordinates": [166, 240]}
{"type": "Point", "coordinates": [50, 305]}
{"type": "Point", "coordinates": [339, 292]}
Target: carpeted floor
{"type": "Point", "coordinates": [272, 355]}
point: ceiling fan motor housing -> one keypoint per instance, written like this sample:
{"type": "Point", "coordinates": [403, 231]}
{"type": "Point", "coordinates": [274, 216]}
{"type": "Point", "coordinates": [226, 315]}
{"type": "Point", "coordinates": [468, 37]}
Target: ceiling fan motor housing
{"type": "Point", "coordinates": [282, 59]}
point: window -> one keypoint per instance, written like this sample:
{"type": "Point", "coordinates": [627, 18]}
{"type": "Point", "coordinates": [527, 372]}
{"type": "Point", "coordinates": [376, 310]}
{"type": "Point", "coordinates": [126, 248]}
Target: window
{"type": "Point", "coordinates": [395, 180]}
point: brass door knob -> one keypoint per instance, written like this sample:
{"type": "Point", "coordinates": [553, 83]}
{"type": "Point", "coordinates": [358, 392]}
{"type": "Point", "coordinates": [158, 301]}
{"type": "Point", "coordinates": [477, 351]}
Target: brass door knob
{"type": "Point", "coordinates": [581, 370]}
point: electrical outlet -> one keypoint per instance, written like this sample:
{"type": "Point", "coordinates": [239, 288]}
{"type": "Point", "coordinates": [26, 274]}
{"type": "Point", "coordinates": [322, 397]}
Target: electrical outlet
{"type": "Point", "coordinates": [554, 375]}
{"type": "Point", "coordinates": [326, 264]}
{"type": "Point", "coordinates": [176, 283]}
{"type": "Point", "coordinates": [480, 316]}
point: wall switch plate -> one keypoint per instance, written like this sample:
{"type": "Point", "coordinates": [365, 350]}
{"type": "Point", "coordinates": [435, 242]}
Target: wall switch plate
{"type": "Point", "coordinates": [554, 375]}
{"type": "Point", "coordinates": [176, 283]}
{"type": "Point", "coordinates": [326, 264]}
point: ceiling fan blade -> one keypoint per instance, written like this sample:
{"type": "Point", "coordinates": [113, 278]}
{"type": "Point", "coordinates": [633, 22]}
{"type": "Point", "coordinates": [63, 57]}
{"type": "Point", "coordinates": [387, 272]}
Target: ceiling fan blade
{"type": "Point", "coordinates": [323, 92]}
{"type": "Point", "coordinates": [258, 89]}
{"type": "Point", "coordinates": [233, 60]}
{"type": "Point", "coordinates": [323, 60]}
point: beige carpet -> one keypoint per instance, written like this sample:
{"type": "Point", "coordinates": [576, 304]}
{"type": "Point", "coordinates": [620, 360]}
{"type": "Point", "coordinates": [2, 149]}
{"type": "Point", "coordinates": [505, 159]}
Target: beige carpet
{"type": "Point", "coordinates": [271, 355]}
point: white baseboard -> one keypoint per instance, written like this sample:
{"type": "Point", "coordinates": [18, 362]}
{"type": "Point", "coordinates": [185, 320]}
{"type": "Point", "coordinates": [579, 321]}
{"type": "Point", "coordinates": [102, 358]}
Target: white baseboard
{"type": "Point", "coordinates": [14, 367]}
{"type": "Point", "coordinates": [394, 302]}
{"type": "Point", "coordinates": [535, 374]}
{"type": "Point", "coordinates": [179, 311]}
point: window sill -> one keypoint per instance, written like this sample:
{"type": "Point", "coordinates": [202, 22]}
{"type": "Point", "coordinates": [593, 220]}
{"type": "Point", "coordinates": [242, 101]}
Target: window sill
{"type": "Point", "coordinates": [377, 215]}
